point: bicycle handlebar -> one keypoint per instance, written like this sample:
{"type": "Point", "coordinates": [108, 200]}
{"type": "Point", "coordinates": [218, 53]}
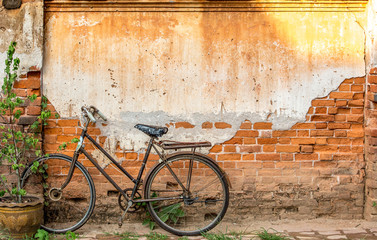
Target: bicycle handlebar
{"type": "Point", "coordinates": [89, 114]}
{"type": "Point", "coordinates": [95, 110]}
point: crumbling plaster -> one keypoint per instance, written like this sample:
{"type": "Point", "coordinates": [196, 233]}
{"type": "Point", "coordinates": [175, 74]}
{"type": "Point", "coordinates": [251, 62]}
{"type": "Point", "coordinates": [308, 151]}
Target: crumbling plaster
{"type": "Point", "coordinates": [25, 26]}
{"type": "Point", "coordinates": [157, 68]}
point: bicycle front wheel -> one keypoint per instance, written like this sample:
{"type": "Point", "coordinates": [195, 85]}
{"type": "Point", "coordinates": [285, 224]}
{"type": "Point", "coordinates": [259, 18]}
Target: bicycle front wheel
{"type": "Point", "coordinates": [68, 209]}
{"type": "Point", "coordinates": [191, 192]}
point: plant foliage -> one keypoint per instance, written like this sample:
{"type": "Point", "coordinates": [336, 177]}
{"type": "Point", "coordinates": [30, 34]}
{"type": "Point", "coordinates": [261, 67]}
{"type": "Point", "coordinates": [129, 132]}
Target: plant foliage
{"type": "Point", "coordinates": [17, 141]}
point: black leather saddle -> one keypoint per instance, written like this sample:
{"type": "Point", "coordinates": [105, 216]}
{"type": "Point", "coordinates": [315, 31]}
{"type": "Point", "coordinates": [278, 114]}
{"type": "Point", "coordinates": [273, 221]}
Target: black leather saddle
{"type": "Point", "coordinates": [152, 131]}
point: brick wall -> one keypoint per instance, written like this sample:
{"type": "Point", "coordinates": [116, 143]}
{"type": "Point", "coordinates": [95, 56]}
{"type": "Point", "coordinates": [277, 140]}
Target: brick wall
{"type": "Point", "coordinates": [313, 169]}
{"type": "Point", "coordinates": [371, 146]}
{"type": "Point", "coordinates": [27, 85]}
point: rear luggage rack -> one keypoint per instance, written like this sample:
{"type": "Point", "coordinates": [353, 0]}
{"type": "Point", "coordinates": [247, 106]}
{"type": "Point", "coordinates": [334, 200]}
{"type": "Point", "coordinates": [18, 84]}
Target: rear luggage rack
{"type": "Point", "coordinates": [168, 145]}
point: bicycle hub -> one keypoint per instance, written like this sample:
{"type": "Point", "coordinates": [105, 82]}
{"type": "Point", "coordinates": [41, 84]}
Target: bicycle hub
{"type": "Point", "coordinates": [55, 194]}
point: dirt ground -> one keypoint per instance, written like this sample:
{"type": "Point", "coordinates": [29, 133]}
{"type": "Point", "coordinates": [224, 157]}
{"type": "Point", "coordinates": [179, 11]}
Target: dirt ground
{"type": "Point", "coordinates": [295, 229]}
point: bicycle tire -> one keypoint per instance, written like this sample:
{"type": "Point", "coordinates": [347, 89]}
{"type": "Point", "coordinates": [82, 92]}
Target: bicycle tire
{"type": "Point", "coordinates": [77, 202]}
{"type": "Point", "coordinates": [206, 204]}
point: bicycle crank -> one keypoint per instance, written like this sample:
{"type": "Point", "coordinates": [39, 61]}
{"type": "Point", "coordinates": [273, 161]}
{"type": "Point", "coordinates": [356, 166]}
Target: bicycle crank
{"type": "Point", "coordinates": [124, 203]}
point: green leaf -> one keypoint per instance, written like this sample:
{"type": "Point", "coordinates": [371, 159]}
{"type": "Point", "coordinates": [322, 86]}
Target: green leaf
{"type": "Point", "coordinates": [163, 216]}
{"type": "Point", "coordinates": [22, 192]}
{"type": "Point", "coordinates": [2, 192]}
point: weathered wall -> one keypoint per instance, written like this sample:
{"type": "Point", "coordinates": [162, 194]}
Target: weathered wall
{"type": "Point", "coordinates": [278, 89]}
{"type": "Point", "coordinates": [371, 114]}
{"type": "Point", "coordinates": [25, 26]}
{"type": "Point", "coordinates": [162, 67]}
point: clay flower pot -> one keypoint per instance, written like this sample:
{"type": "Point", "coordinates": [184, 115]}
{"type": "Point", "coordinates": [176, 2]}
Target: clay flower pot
{"type": "Point", "coordinates": [21, 219]}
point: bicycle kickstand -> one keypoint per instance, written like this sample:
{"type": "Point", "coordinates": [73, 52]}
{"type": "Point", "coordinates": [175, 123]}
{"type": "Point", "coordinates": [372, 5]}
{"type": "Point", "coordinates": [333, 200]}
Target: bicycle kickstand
{"type": "Point", "coordinates": [120, 222]}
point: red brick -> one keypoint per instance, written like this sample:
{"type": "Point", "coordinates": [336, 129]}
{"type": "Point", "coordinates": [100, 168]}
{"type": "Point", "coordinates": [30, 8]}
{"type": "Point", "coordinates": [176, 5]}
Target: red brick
{"type": "Point", "coordinates": [33, 110]}
{"type": "Point", "coordinates": [339, 141]}
{"type": "Point", "coordinates": [247, 133]}
{"type": "Point", "coordinates": [322, 118]}
{"type": "Point", "coordinates": [216, 148]}
{"type": "Point", "coordinates": [267, 140]}
{"type": "Point", "coordinates": [28, 84]}
{"type": "Point", "coordinates": [373, 70]}
{"type": "Point", "coordinates": [286, 133]}
{"type": "Point", "coordinates": [341, 103]}
{"type": "Point", "coordinates": [221, 157]}
{"type": "Point", "coordinates": [355, 133]}
{"type": "Point", "coordinates": [287, 148]}
{"type": "Point", "coordinates": [234, 140]}
{"type": "Point", "coordinates": [131, 156]}
{"type": "Point", "coordinates": [339, 125]}
{"type": "Point", "coordinates": [55, 131]}
{"type": "Point", "coordinates": [341, 95]}
{"type": "Point", "coordinates": [290, 165]}
{"type": "Point", "coordinates": [222, 125]}
{"type": "Point", "coordinates": [340, 156]}
{"type": "Point", "coordinates": [249, 165]}
{"type": "Point", "coordinates": [249, 141]}
{"type": "Point", "coordinates": [309, 156]}
{"type": "Point", "coordinates": [325, 148]}
{"type": "Point", "coordinates": [358, 96]}
{"type": "Point", "coordinates": [269, 148]}
{"type": "Point", "coordinates": [340, 118]}
{"type": "Point", "coordinates": [69, 130]}
{"type": "Point", "coordinates": [318, 103]}
{"type": "Point", "coordinates": [321, 125]}
{"type": "Point", "coordinates": [321, 140]}
{"type": "Point", "coordinates": [355, 118]}
{"type": "Point", "coordinates": [207, 125]}
{"type": "Point", "coordinates": [303, 133]}
{"type": "Point", "coordinates": [68, 122]}
{"type": "Point", "coordinates": [184, 125]}
{"type": "Point", "coordinates": [306, 148]}
{"type": "Point", "coordinates": [344, 87]}
{"type": "Point", "coordinates": [372, 79]}
{"type": "Point", "coordinates": [304, 126]}
{"type": "Point", "coordinates": [246, 125]}
{"type": "Point", "coordinates": [268, 156]}
{"type": "Point", "coordinates": [248, 157]}
{"type": "Point", "coordinates": [229, 148]}
{"type": "Point", "coordinates": [303, 140]}
{"type": "Point", "coordinates": [284, 140]}
{"type": "Point", "coordinates": [320, 110]}
{"type": "Point", "coordinates": [315, 133]}
{"type": "Point", "coordinates": [286, 157]}
{"type": "Point", "coordinates": [252, 148]}
{"type": "Point", "coordinates": [357, 110]}
{"type": "Point", "coordinates": [262, 125]}
{"type": "Point", "coordinates": [269, 172]}
{"type": "Point", "coordinates": [359, 80]}
{"type": "Point", "coordinates": [356, 103]}
{"type": "Point", "coordinates": [332, 110]}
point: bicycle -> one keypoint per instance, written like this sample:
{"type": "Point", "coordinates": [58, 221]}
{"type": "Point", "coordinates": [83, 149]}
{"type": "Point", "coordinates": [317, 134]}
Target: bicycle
{"type": "Point", "coordinates": [186, 193]}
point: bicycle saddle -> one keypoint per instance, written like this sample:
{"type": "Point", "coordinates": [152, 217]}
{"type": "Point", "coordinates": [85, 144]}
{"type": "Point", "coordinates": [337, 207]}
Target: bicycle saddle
{"type": "Point", "coordinates": [152, 131]}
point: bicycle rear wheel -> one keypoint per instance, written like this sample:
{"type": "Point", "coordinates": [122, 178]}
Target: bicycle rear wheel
{"type": "Point", "coordinates": [193, 212]}
{"type": "Point", "coordinates": [69, 210]}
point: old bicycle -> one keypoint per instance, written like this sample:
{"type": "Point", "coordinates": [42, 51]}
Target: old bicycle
{"type": "Point", "coordinates": [186, 193]}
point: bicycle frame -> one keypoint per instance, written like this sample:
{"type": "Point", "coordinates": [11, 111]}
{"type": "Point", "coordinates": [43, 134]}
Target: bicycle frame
{"type": "Point", "coordinates": [80, 150]}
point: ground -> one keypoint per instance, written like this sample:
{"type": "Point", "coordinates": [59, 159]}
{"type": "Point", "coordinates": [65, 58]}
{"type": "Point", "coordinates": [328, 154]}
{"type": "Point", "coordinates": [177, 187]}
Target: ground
{"type": "Point", "coordinates": [294, 229]}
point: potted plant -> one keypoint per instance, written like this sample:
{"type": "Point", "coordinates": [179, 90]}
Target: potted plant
{"type": "Point", "coordinates": [20, 214]}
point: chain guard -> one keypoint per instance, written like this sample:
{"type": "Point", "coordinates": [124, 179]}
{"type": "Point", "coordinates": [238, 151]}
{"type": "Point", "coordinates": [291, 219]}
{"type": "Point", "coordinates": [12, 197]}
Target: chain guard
{"type": "Point", "coordinates": [123, 202]}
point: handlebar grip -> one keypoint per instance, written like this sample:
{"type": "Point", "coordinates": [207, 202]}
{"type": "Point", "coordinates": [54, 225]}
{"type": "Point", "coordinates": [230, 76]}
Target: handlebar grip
{"type": "Point", "coordinates": [101, 115]}
{"type": "Point", "coordinates": [90, 115]}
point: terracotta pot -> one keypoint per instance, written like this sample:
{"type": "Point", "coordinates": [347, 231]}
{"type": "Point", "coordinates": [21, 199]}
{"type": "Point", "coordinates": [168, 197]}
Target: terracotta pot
{"type": "Point", "coordinates": [21, 219]}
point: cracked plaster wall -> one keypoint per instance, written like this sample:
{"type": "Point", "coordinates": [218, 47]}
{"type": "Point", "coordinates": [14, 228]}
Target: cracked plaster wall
{"type": "Point", "coordinates": [25, 26]}
{"type": "Point", "coordinates": [157, 68]}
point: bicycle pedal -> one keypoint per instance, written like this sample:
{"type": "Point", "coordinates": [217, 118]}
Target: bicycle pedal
{"type": "Point", "coordinates": [120, 222]}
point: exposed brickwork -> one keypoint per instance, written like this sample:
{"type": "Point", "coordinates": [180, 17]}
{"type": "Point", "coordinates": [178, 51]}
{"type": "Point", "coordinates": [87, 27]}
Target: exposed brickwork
{"type": "Point", "coordinates": [371, 146]}
{"type": "Point", "coordinates": [314, 169]}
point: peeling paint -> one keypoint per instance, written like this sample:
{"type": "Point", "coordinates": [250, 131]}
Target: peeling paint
{"type": "Point", "coordinates": [25, 26]}
{"type": "Point", "coordinates": [157, 68]}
